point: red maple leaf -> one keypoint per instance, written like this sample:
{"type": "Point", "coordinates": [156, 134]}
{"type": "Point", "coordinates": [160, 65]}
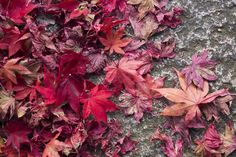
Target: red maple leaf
{"type": "Point", "coordinates": [169, 148]}
{"type": "Point", "coordinates": [110, 5]}
{"type": "Point", "coordinates": [210, 144]}
{"type": "Point", "coordinates": [17, 133]}
{"type": "Point", "coordinates": [48, 90]}
{"type": "Point", "coordinates": [68, 5]}
{"type": "Point", "coordinates": [96, 103]}
{"type": "Point", "coordinates": [13, 40]}
{"type": "Point", "coordinates": [199, 70]}
{"type": "Point", "coordinates": [135, 105]}
{"type": "Point", "coordinates": [72, 63]}
{"type": "Point", "coordinates": [17, 9]}
{"type": "Point", "coordinates": [163, 49]}
{"type": "Point", "coordinates": [69, 90]}
{"type": "Point", "coordinates": [124, 72]}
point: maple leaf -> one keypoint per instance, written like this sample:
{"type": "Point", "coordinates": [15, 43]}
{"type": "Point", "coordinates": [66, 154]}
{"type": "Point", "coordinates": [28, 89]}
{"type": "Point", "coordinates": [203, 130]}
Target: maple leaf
{"type": "Point", "coordinates": [178, 125]}
{"type": "Point", "coordinates": [141, 56]}
{"type": "Point", "coordinates": [68, 5]}
{"type": "Point", "coordinates": [96, 62]}
{"type": "Point", "coordinates": [146, 88]}
{"type": "Point", "coordinates": [7, 104]}
{"type": "Point", "coordinates": [169, 18]}
{"type": "Point", "coordinates": [11, 68]}
{"type": "Point", "coordinates": [96, 103]}
{"type": "Point", "coordinates": [219, 105]}
{"type": "Point", "coordinates": [210, 144]}
{"type": "Point", "coordinates": [229, 140]}
{"type": "Point", "coordinates": [223, 103]}
{"type": "Point", "coordinates": [145, 6]}
{"type": "Point", "coordinates": [72, 63]}
{"type": "Point", "coordinates": [23, 92]}
{"type": "Point", "coordinates": [16, 9]}
{"type": "Point", "coordinates": [199, 70]}
{"type": "Point", "coordinates": [110, 5]}
{"type": "Point", "coordinates": [78, 137]}
{"type": "Point", "coordinates": [107, 24]}
{"type": "Point", "coordinates": [13, 40]}
{"type": "Point", "coordinates": [169, 148]}
{"type": "Point", "coordinates": [113, 41]}
{"type": "Point", "coordinates": [17, 133]}
{"type": "Point", "coordinates": [163, 49]}
{"type": "Point", "coordinates": [70, 90]}
{"type": "Point", "coordinates": [124, 72]}
{"type": "Point", "coordinates": [80, 10]}
{"type": "Point", "coordinates": [188, 100]}
{"type": "Point", "coordinates": [127, 144]}
{"type": "Point", "coordinates": [48, 91]}
{"type": "Point", "coordinates": [144, 28]}
{"type": "Point", "coordinates": [54, 146]}
{"type": "Point", "coordinates": [135, 105]}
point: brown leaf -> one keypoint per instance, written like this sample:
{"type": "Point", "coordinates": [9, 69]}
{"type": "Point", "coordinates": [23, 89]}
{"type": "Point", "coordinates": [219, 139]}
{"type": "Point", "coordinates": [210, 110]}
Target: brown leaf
{"type": "Point", "coordinates": [145, 6]}
{"type": "Point", "coordinates": [7, 104]}
{"type": "Point", "coordinates": [223, 102]}
{"type": "Point", "coordinates": [229, 140]}
{"type": "Point", "coordinates": [144, 28]}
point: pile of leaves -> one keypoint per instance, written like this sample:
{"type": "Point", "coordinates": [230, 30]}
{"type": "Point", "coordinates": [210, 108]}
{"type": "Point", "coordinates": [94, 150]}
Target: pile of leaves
{"type": "Point", "coordinates": [50, 104]}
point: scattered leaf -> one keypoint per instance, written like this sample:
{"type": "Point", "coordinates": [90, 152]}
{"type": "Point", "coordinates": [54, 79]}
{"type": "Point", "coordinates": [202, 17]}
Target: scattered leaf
{"type": "Point", "coordinates": [114, 41]}
{"type": "Point", "coordinates": [189, 99]}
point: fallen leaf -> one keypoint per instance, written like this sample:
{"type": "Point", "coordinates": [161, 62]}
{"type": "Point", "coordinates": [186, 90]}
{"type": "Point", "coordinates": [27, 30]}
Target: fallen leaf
{"type": "Point", "coordinates": [199, 70]}
{"type": "Point", "coordinates": [11, 68]}
{"type": "Point", "coordinates": [124, 72]}
{"type": "Point", "coordinates": [210, 144]}
{"type": "Point", "coordinates": [145, 28]}
{"type": "Point", "coordinates": [114, 41]}
{"type": "Point", "coordinates": [220, 105]}
{"type": "Point", "coordinates": [16, 9]}
{"type": "Point", "coordinates": [145, 6]}
{"type": "Point", "coordinates": [96, 103]}
{"type": "Point", "coordinates": [17, 133]}
{"type": "Point", "coordinates": [189, 99]}
{"type": "Point", "coordinates": [223, 103]}
{"type": "Point", "coordinates": [229, 140]}
{"type": "Point", "coordinates": [163, 49]}
{"type": "Point", "coordinates": [169, 148]}
{"type": "Point", "coordinates": [134, 105]}
{"type": "Point", "coordinates": [53, 148]}
{"type": "Point", "coordinates": [7, 104]}
{"type": "Point", "coordinates": [69, 90]}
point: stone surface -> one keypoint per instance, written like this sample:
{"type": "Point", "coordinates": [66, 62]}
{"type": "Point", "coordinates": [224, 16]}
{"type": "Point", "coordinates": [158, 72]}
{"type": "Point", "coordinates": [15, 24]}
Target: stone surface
{"type": "Point", "coordinates": [207, 24]}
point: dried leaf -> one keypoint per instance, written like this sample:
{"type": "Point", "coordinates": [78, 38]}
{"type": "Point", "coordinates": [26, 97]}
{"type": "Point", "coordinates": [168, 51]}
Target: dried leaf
{"type": "Point", "coordinates": [7, 104]}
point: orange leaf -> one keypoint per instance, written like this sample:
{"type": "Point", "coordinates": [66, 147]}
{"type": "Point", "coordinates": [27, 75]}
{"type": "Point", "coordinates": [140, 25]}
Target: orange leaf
{"type": "Point", "coordinates": [188, 99]}
{"type": "Point", "coordinates": [53, 147]}
{"type": "Point", "coordinates": [113, 41]}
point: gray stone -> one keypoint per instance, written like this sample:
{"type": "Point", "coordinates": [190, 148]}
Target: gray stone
{"type": "Point", "coordinates": [207, 24]}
